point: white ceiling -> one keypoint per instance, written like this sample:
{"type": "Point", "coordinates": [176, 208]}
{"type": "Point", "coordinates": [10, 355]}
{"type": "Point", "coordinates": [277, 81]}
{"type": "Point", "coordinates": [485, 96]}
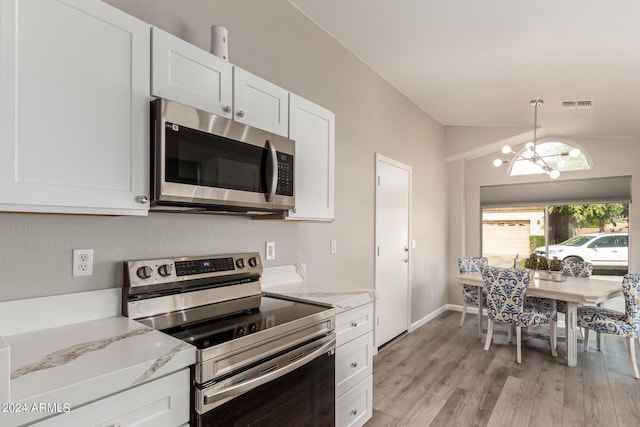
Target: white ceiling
{"type": "Point", "coordinates": [480, 62]}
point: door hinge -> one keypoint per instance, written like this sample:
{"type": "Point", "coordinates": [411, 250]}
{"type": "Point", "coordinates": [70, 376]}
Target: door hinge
{"type": "Point", "coordinates": [378, 321]}
{"type": "Point", "coordinates": [378, 180]}
{"type": "Point", "coordinates": [378, 250]}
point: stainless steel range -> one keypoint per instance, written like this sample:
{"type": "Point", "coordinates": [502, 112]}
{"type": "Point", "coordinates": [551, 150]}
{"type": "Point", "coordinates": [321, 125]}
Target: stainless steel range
{"type": "Point", "coordinates": [261, 359]}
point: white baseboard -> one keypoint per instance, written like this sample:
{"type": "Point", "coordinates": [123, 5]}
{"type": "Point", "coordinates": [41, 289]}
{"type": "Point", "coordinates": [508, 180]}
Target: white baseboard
{"type": "Point", "coordinates": [429, 317]}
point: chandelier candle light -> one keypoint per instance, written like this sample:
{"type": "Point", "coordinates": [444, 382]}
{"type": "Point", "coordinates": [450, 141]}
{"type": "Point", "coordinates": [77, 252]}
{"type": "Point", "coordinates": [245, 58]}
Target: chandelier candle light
{"type": "Point", "coordinates": [530, 153]}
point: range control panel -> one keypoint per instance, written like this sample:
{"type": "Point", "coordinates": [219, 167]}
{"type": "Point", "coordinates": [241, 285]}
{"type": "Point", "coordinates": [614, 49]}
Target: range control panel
{"type": "Point", "coordinates": [157, 271]}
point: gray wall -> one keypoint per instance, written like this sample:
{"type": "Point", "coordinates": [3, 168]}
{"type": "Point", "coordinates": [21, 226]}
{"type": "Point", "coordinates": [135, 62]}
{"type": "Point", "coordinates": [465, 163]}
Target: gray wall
{"type": "Point", "coordinates": [275, 41]}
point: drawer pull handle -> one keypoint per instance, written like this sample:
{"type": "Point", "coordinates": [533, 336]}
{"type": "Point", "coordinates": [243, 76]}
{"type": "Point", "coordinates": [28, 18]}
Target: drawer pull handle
{"type": "Point", "coordinates": [354, 324]}
{"type": "Point", "coordinates": [354, 411]}
{"type": "Point", "coordinates": [354, 364]}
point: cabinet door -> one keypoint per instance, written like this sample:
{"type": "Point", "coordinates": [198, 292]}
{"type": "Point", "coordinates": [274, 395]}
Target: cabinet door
{"type": "Point", "coordinates": [260, 103]}
{"type": "Point", "coordinates": [160, 403]}
{"type": "Point", "coordinates": [313, 129]}
{"type": "Point", "coordinates": [187, 74]}
{"type": "Point", "coordinates": [74, 111]}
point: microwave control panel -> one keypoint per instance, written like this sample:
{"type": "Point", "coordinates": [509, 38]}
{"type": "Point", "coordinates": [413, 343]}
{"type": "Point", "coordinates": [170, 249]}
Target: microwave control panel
{"type": "Point", "coordinates": [285, 174]}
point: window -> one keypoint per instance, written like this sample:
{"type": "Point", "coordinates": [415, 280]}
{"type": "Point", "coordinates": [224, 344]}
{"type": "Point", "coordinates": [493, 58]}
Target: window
{"type": "Point", "coordinates": [558, 155]}
{"type": "Point", "coordinates": [596, 233]}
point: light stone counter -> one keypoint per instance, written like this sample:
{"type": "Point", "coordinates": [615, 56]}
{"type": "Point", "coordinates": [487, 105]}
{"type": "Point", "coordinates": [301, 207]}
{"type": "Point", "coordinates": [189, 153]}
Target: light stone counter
{"type": "Point", "coordinates": [58, 369]}
{"type": "Point", "coordinates": [287, 281]}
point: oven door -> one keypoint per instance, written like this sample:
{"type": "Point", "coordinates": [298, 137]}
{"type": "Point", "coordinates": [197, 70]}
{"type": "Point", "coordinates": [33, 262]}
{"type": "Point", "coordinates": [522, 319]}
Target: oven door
{"type": "Point", "coordinates": [204, 159]}
{"type": "Point", "coordinates": [294, 388]}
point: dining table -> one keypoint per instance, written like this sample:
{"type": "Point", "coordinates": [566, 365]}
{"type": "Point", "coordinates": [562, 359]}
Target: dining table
{"type": "Point", "coordinates": [573, 290]}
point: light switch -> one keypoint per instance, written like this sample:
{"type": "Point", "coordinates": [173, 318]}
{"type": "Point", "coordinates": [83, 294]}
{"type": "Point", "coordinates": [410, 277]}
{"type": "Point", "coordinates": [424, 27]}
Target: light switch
{"type": "Point", "coordinates": [270, 251]}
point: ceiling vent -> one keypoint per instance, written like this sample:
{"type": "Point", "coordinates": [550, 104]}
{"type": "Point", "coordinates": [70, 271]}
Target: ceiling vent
{"type": "Point", "coordinates": [586, 104]}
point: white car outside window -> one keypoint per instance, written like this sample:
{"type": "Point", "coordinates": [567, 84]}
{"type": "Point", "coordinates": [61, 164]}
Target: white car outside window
{"type": "Point", "coordinates": [603, 250]}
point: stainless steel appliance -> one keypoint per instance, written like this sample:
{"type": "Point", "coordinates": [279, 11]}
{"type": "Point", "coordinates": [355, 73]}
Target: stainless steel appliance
{"type": "Point", "coordinates": [203, 162]}
{"type": "Point", "coordinates": [261, 359]}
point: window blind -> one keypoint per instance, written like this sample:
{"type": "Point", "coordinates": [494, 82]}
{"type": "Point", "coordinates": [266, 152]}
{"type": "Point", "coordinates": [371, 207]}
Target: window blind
{"type": "Point", "coordinates": [579, 191]}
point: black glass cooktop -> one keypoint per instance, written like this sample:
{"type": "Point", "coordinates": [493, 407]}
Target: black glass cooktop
{"type": "Point", "coordinates": [271, 312]}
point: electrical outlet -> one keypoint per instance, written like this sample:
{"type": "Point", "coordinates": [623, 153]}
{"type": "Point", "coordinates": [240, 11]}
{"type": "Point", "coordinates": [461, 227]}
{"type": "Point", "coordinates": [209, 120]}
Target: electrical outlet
{"type": "Point", "coordinates": [270, 251]}
{"type": "Point", "coordinates": [82, 262]}
{"type": "Point", "coordinates": [334, 246]}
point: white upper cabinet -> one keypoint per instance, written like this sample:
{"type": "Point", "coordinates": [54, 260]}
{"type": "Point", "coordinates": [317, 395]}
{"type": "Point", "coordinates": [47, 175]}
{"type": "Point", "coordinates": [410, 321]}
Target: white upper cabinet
{"type": "Point", "coordinates": [74, 109]}
{"type": "Point", "coordinates": [260, 103]}
{"type": "Point", "coordinates": [189, 75]}
{"type": "Point", "coordinates": [313, 129]}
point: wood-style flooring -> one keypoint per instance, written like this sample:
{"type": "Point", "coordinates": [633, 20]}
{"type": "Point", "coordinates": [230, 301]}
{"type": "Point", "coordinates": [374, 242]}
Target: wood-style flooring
{"type": "Point", "coordinates": [439, 375]}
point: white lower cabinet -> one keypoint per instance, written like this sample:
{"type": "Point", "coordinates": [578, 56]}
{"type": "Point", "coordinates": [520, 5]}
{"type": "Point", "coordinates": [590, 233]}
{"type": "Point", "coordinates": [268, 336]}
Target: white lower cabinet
{"type": "Point", "coordinates": [355, 407]}
{"type": "Point", "coordinates": [160, 403]}
{"type": "Point", "coordinates": [354, 366]}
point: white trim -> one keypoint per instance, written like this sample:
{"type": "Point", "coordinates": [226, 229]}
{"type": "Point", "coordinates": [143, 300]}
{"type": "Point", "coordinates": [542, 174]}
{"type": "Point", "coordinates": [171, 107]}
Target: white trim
{"type": "Point", "coordinates": [428, 318]}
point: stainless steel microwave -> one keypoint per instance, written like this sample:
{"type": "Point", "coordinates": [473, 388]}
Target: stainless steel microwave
{"type": "Point", "coordinates": [204, 162]}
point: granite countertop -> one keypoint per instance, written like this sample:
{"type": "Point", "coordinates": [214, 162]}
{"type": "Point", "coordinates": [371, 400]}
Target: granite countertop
{"type": "Point", "coordinates": [78, 363]}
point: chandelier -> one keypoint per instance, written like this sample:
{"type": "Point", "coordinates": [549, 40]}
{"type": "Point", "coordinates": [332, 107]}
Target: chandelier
{"type": "Point", "coordinates": [531, 154]}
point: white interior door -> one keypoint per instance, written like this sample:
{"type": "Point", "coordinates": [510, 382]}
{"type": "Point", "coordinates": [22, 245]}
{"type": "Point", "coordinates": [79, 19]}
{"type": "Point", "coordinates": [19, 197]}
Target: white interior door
{"type": "Point", "coordinates": [392, 218]}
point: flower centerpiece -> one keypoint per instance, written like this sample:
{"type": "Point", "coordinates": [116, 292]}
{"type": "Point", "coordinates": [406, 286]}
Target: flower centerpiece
{"type": "Point", "coordinates": [555, 268]}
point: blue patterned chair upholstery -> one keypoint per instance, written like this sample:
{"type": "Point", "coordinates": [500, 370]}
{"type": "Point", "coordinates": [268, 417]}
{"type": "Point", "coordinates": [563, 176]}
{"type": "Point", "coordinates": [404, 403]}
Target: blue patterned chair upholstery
{"type": "Point", "coordinates": [569, 268]}
{"type": "Point", "coordinates": [506, 303]}
{"type": "Point", "coordinates": [470, 294]}
{"type": "Point", "coordinates": [577, 268]}
{"type": "Point", "coordinates": [608, 321]}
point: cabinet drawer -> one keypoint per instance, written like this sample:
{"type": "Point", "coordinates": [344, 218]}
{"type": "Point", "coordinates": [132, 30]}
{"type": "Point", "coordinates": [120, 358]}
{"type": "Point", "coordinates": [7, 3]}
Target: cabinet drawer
{"type": "Point", "coordinates": [353, 323]}
{"type": "Point", "coordinates": [355, 408]}
{"type": "Point", "coordinates": [159, 403]}
{"type": "Point", "coordinates": [353, 362]}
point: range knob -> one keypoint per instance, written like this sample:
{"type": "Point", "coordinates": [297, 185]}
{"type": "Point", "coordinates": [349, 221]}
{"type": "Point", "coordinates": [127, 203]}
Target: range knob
{"type": "Point", "coordinates": [240, 263]}
{"type": "Point", "coordinates": [253, 261]}
{"type": "Point", "coordinates": [253, 327]}
{"type": "Point", "coordinates": [165, 270]}
{"type": "Point", "coordinates": [144, 272]}
{"type": "Point", "coordinates": [240, 332]}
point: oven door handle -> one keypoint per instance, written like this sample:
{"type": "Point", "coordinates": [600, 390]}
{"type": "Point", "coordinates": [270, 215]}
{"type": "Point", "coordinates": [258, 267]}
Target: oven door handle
{"type": "Point", "coordinates": [246, 386]}
{"type": "Point", "coordinates": [271, 171]}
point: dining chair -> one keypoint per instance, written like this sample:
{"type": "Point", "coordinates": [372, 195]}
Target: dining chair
{"type": "Point", "coordinates": [506, 303]}
{"type": "Point", "coordinates": [582, 269]}
{"type": "Point", "coordinates": [607, 321]}
{"type": "Point", "coordinates": [570, 268]}
{"type": "Point", "coordinates": [470, 294]}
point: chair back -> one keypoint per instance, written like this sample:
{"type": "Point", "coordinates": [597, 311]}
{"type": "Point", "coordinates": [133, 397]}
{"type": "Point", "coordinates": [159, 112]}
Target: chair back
{"type": "Point", "coordinates": [577, 268]}
{"type": "Point", "coordinates": [631, 291]}
{"type": "Point", "coordinates": [506, 289]}
{"type": "Point", "coordinates": [472, 264]}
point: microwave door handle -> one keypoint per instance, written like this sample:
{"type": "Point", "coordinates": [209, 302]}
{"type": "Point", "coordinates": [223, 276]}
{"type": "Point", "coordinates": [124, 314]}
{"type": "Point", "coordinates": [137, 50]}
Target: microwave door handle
{"type": "Point", "coordinates": [271, 171]}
